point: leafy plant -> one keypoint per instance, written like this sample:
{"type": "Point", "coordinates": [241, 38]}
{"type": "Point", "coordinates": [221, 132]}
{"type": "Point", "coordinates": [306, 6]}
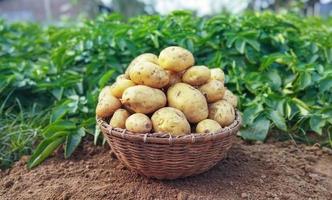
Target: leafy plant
{"type": "Point", "coordinates": [279, 65]}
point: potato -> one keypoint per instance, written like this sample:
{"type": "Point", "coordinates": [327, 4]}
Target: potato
{"type": "Point", "coordinates": [119, 118]}
{"type": "Point", "coordinates": [208, 126]}
{"type": "Point", "coordinates": [196, 75]}
{"type": "Point", "coordinates": [170, 120]}
{"type": "Point", "coordinates": [222, 112]}
{"type": "Point", "coordinates": [107, 105]}
{"type": "Point", "coordinates": [138, 123]}
{"type": "Point", "coordinates": [174, 77]}
{"type": "Point", "coordinates": [189, 100]}
{"type": "Point", "coordinates": [176, 59]}
{"type": "Point", "coordinates": [149, 57]}
{"type": "Point", "coordinates": [150, 74]}
{"type": "Point", "coordinates": [230, 98]}
{"type": "Point", "coordinates": [213, 91]}
{"type": "Point", "coordinates": [121, 85]}
{"type": "Point", "coordinates": [105, 91]}
{"type": "Point", "coordinates": [217, 74]}
{"type": "Point", "coordinates": [143, 99]}
{"type": "Point", "coordinates": [122, 76]}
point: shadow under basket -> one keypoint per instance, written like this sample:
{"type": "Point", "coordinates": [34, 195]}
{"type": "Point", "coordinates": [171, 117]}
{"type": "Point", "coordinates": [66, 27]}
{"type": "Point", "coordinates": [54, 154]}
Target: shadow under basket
{"type": "Point", "coordinates": [161, 156]}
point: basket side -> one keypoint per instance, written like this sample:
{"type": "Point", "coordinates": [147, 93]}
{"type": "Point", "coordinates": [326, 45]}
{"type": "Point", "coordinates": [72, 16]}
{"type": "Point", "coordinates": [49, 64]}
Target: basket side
{"type": "Point", "coordinates": [165, 161]}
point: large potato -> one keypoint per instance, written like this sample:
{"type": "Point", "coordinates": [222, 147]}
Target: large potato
{"type": "Point", "coordinates": [176, 59]}
{"type": "Point", "coordinates": [107, 105]}
{"type": "Point", "coordinates": [196, 75]}
{"type": "Point", "coordinates": [189, 100]}
{"type": "Point", "coordinates": [143, 99]}
{"type": "Point", "coordinates": [170, 120]}
{"type": "Point", "coordinates": [138, 123]}
{"type": "Point", "coordinates": [213, 90]}
{"type": "Point", "coordinates": [149, 57]}
{"type": "Point", "coordinates": [208, 126]}
{"type": "Point", "coordinates": [150, 74]}
{"type": "Point", "coordinates": [105, 91]}
{"type": "Point", "coordinates": [222, 112]}
{"type": "Point", "coordinates": [230, 98]}
{"type": "Point", "coordinates": [119, 118]}
{"type": "Point", "coordinates": [121, 85]}
{"type": "Point", "coordinates": [217, 74]}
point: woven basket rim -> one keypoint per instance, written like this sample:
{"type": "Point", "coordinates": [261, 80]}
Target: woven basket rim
{"type": "Point", "coordinates": [165, 138]}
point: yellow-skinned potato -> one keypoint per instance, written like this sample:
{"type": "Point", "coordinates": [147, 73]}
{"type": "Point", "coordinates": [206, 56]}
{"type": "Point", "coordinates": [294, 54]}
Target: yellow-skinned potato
{"type": "Point", "coordinates": [121, 77]}
{"type": "Point", "coordinates": [196, 75]}
{"type": "Point", "coordinates": [222, 112]}
{"type": "Point", "coordinates": [107, 105]}
{"type": "Point", "coordinates": [213, 90]}
{"type": "Point", "coordinates": [149, 57]}
{"type": "Point", "coordinates": [143, 99]}
{"type": "Point", "coordinates": [105, 91]}
{"type": "Point", "coordinates": [119, 118]}
{"type": "Point", "coordinates": [121, 85]}
{"type": "Point", "coordinates": [150, 74]}
{"type": "Point", "coordinates": [189, 100]}
{"type": "Point", "coordinates": [170, 120]}
{"type": "Point", "coordinates": [208, 126]}
{"type": "Point", "coordinates": [176, 59]}
{"type": "Point", "coordinates": [138, 123]}
{"type": "Point", "coordinates": [217, 74]}
{"type": "Point", "coordinates": [230, 98]}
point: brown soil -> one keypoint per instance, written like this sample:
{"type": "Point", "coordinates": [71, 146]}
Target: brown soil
{"type": "Point", "coordinates": [261, 171]}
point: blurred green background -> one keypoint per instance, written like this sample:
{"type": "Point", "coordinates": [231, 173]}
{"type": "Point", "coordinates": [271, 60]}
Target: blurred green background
{"type": "Point", "coordinates": [48, 11]}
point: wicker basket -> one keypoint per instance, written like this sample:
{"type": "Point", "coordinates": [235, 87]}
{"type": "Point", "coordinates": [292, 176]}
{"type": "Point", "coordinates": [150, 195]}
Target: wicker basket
{"type": "Point", "coordinates": [162, 156]}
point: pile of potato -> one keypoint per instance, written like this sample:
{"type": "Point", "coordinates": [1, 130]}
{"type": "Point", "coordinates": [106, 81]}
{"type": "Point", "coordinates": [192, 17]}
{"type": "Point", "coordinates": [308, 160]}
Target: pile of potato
{"type": "Point", "coordinates": [168, 94]}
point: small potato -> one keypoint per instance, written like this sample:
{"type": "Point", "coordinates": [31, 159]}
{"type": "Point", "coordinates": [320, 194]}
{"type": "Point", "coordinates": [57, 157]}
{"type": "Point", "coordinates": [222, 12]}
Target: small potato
{"type": "Point", "coordinates": [208, 126]}
{"type": "Point", "coordinates": [217, 74]}
{"type": "Point", "coordinates": [176, 59]}
{"type": "Point", "coordinates": [230, 98]}
{"type": "Point", "coordinates": [119, 118]}
{"type": "Point", "coordinates": [222, 112]}
{"type": "Point", "coordinates": [138, 123]}
{"type": "Point", "coordinates": [105, 91]}
{"type": "Point", "coordinates": [107, 105]}
{"type": "Point", "coordinates": [149, 57]}
{"type": "Point", "coordinates": [213, 91]}
{"type": "Point", "coordinates": [196, 75]}
{"type": "Point", "coordinates": [121, 85]}
{"type": "Point", "coordinates": [150, 74]}
{"type": "Point", "coordinates": [170, 120]}
{"type": "Point", "coordinates": [189, 100]}
{"type": "Point", "coordinates": [122, 76]}
{"type": "Point", "coordinates": [143, 99]}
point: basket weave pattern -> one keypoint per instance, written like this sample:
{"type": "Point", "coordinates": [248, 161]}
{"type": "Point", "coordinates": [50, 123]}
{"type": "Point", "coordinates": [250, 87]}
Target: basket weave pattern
{"type": "Point", "coordinates": [162, 156]}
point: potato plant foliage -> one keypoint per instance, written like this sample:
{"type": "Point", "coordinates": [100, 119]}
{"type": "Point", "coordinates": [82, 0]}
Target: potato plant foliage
{"type": "Point", "coordinates": [280, 67]}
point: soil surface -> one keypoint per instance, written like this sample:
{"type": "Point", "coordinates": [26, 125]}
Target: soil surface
{"type": "Point", "coordinates": [275, 170]}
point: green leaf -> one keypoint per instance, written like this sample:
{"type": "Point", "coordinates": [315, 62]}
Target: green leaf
{"type": "Point", "coordinates": [72, 141]}
{"type": "Point", "coordinates": [277, 119]}
{"type": "Point", "coordinates": [240, 45]}
{"type": "Point", "coordinates": [61, 125]}
{"type": "Point", "coordinates": [46, 148]}
{"type": "Point", "coordinates": [250, 113]}
{"type": "Point", "coordinates": [317, 123]}
{"type": "Point", "coordinates": [303, 107]}
{"type": "Point", "coordinates": [105, 78]}
{"type": "Point", "coordinates": [257, 131]}
{"type": "Point", "coordinates": [325, 84]}
{"type": "Point", "coordinates": [59, 112]}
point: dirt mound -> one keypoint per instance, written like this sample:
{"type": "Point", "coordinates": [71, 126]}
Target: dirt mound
{"type": "Point", "coordinates": [261, 171]}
